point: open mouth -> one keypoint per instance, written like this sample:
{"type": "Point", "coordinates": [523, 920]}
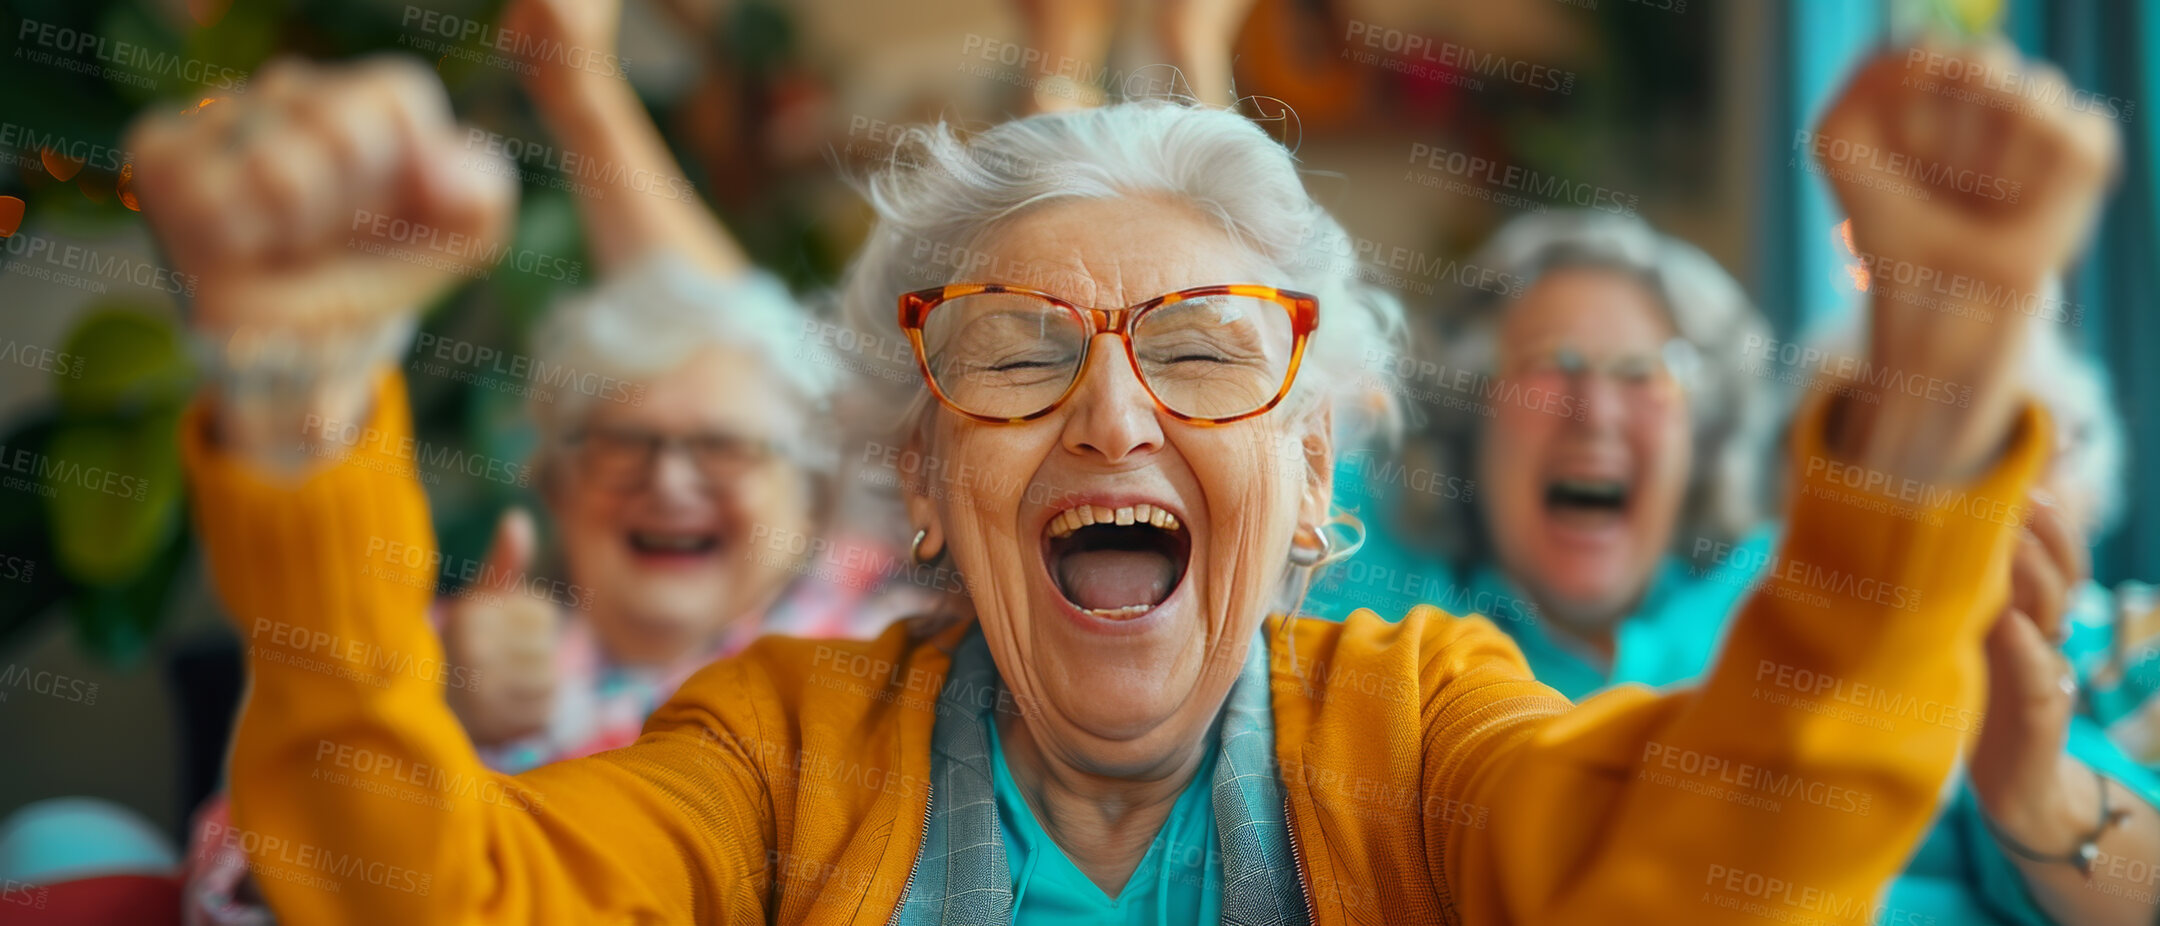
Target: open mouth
{"type": "Point", "coordinates": [1116, 563]}
{"type": "Point", "coordinates": [1587, 501]}
{"type": "Point", "coordinates": [674, 543]}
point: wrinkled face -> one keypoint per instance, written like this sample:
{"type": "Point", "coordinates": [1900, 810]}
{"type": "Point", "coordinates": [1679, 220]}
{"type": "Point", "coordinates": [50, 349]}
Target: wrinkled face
{"type": "Point", "coordinates": [1583, 492]}
{"type": "Point", "coordinates": [674, 550]}
{"type": "Point", "coordinates": [1120, 640]}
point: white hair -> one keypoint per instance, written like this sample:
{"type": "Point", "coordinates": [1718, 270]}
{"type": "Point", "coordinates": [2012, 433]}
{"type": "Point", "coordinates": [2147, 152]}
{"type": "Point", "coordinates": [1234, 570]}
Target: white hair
{"type": "Point", "coordinates": [651, 319]}
{"type": "Point", "coordinates": [1733, 414]}
{"type": "Point", "coordinates": [941, 196]}
{"type": "Point", "coordinates": [2075, 388]}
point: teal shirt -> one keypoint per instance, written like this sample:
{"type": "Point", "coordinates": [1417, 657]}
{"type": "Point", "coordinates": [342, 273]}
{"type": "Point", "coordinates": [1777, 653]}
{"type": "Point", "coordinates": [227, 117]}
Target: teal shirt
{"type": "Point", "coordinates": [1178, 881]}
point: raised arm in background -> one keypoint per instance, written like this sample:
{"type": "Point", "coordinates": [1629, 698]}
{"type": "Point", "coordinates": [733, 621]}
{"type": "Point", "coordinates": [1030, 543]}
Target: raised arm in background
{"type": "Point", "coordinates": [644, 203]}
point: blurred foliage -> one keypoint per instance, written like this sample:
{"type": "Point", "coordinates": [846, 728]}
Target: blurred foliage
{"type": "Point", "coordinates": [105, 511]}
{"type": "Point", "coordinates": [112, 560]}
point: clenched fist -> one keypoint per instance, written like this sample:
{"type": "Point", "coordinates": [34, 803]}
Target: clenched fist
{"type": "Point", "coordinates": [1967, 159]}
{"type": "Point", "coordinates": [322, 197]}
{"type": "Point", "coordinates": [1970, 176]}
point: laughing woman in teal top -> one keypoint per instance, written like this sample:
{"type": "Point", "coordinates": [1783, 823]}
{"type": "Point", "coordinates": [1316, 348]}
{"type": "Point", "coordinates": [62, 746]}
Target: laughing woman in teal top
{"type": "Point", "coordinates": [1605, 473]}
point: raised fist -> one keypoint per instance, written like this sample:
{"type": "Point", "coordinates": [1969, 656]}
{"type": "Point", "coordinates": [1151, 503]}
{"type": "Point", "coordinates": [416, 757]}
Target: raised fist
{"type": "Point", "coordinates": [1970, 176]}
{"type": "Point", "coordinates": [322, 198]}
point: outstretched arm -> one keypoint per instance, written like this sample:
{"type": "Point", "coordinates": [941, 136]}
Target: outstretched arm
{"type": "Point", "coordinates": [641, 203]}
{"type": "Point", "coordinates": [318, 204]}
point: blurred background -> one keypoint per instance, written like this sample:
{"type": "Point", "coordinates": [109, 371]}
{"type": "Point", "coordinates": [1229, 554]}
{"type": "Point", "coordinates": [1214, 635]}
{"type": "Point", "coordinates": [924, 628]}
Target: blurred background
{"type": "Point", "coordinates": [1685, 111]}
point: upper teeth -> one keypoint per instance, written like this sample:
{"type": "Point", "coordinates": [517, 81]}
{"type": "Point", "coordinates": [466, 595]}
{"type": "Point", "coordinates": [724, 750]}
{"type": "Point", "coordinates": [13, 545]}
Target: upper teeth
{"type": "Point", "coordinates": [1075, 518]}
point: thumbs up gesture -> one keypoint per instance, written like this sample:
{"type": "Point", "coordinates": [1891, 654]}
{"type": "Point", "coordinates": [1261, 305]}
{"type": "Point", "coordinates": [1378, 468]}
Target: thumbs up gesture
{"type": "Point", "coordinates": [508, 638]}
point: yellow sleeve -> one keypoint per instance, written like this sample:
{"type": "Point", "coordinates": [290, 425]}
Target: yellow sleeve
{"type": "Point", "coordinates": [356, 796]}
{"type": "Point", "coordinates": [1797, 779]}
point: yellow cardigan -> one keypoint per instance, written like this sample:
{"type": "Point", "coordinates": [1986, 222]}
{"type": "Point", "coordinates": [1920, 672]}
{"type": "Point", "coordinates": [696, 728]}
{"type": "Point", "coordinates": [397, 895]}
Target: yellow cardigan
{"type": "Point", "coordinates": [1430, 778]}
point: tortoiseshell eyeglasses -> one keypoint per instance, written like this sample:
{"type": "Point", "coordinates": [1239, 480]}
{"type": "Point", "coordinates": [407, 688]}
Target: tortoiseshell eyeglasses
{"type": "Point", "coordinates": [1208, 355]}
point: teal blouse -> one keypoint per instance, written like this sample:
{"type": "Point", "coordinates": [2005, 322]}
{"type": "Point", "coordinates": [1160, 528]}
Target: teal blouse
{"type": "Point", "coordinates": [1178, 881]}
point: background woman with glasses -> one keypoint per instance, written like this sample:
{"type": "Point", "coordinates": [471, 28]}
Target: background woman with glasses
{"type": "Point", "coordinates": [1621, 527]}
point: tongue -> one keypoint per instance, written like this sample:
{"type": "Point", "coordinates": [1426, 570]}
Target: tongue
{"type": "Point", "coordinates": [1104, 580]}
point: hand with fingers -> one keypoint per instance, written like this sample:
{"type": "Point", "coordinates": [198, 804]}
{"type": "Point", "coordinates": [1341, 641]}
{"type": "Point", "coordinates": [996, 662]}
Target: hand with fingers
{"type": "Point", "coordinates": [507, 639]}
{"type": "Point", "coordinates": [2050, 810]}
{"type": "Point", "coordinates": [2032, 688]}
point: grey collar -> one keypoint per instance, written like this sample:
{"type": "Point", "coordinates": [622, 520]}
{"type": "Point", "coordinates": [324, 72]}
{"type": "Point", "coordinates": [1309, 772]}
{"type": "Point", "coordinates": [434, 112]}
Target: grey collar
{"type": "Point", "coordinates": [961, 876]}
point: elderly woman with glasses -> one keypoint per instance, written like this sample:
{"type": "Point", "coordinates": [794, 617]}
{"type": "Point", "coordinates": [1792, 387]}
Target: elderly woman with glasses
{"type": "Point", "coordinates": [1137, 382]}
{"type": "Point", "coordinates": [1620, 520]}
